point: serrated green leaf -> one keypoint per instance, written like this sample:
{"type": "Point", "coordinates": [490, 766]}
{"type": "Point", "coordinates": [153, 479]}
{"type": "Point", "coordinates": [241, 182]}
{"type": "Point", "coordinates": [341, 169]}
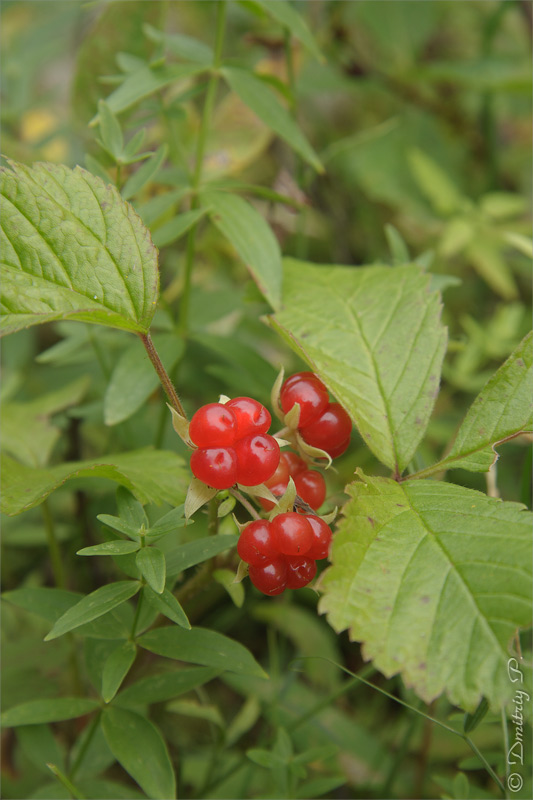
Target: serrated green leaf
{"type": "Point", "coordinates": [503, 409]}
{"type": "Point", "coordinates": [175, 228]}
{"type": "Point", "coordinates": [116, 667]}
{"type": "Point", "coordinates": [434, 580]}
{"type": "Point", "coordinates": [155, 476]}
{"type": "Point", "coordinates": [93, 605]}
{"type": "Point", "coordinates": [252, 238]}
{"type": "Point", "coordinates": [192, 553]}
{"type": "Point", "coordinates": [53, 709]}
{"type": "Point", "coordinates": [158, 688]}
{"type": "Point", "coordinates": [72, 248]}
{"type": "Point", "coordinates": [201, 646]}
{"type": "Point", "coordinates": [110, 130]}
{"type": "Point", "coordinates": [113, 548]}
{"type": "Point", "coordinates": [139, 747]}
{"type": "Point", "coordinates": [134, 379]}
{"type": "Point", "coordinates": [152, 566]}
{"type": "Point", "coordinates": [260, 98]}
{"type": "Point", "coordinates": [145, 173]}
{"type": "Point", "coordinates": [167, 604]}
{"type": "Point", "coordinates": [287, 16]}
{"type": "Point", "coordinates": [374, 336]}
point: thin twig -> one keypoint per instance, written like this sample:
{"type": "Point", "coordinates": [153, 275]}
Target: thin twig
{"type": "Point", "coordinates": [166, 383]}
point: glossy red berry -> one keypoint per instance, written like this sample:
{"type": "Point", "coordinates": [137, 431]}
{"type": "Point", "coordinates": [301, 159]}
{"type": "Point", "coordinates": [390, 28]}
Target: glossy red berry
{"type": "Point", "coordinates": [300, 571]}
{"type": "Point", "coordinates": [256, 545]}
{"type": "Point", "coordinates": [311, 487]}
{"type": "Point", "coordinates": [281, 475]}
{"type": "Point", "coordinates": [329, 430]}
{"type": "Point", "coordinates": [213, 425]}
{"type": "Point", "coordinates": [258, 458]}
{"type": "Point", "coordinates": [251, 416]}
{"type": "Point", "coordinates": [271, 578]}
{"type": "Point", "coordinates": [321, 538]}
{"type": "Point", "coordinates": [335, 452]}
{"type": "Point", "coordinates": [308, 390]}
{"type": "Point", "coordinates": [294, 463]}
{"type": "Point", "coordinates": [215, 466]}
{"type": "Point", "coordinates": [277, 490]}
{"type": "Point", "coordinates": [291, 533]}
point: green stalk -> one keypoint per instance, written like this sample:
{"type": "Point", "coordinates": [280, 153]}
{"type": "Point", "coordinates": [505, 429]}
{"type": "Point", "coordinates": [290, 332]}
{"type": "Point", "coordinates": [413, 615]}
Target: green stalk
{"type": "Point", "coordinates": [163, 375]}
{"type": "Point", "coordinates": [199, 160]}
{"type": "Point", "coordinates": [86, 744]}
{"type": "Point", "coordinates": [53, 547]}
{"type": "Point", "coordinates": [136, 617]}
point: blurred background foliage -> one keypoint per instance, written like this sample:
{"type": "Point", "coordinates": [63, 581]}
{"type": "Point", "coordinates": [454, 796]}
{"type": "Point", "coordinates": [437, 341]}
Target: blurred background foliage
{"type": "Point", "coordinates": [421, 115]}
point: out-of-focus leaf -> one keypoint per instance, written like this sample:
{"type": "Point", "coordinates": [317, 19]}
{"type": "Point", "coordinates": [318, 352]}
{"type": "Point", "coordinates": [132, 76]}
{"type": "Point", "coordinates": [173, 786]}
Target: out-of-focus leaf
{"type": "Point", "coordinates": [434, 183]}
{"type": "Point", "coordinates": [55, 709]}
{"type": "Point", "coordinates": [175, 228]}
{"type": "Point", "coordinates": [484, 256]}
{"type": "Point", "coordinates": [185, 47]}
{"type": "Point", "coordinates": [291, 19]}
{"type": "Point", "coordinates": [144, 174]}
{"type": "Point", "coordinates": [158, 688]}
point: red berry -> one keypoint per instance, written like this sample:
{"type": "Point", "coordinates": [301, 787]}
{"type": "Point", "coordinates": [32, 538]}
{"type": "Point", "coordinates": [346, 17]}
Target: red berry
{"type": "Point", "coordinates": [294, 463]}
{"type": "Point", "coordinates": [270, 579]}
{"type": "Point", "coordinates": [281, 475]}
{"type": "Point", "coordinates": [300, 571]}
{"type": "Point", "coordinates": [251, 416]}
{"type": "Point", "coordinates": [330, 430]}
{"type": "Point", "coordinates": [256, 545]}
{"type": "Point", "coordinates": [335, 452]}
{"type": "Point", "coordinates": [308, 390]}
{"type": "Point", "coordinates": [258, 458]}
{"type": "Point", "coordinates": [291, 533]}
{"type": "Point", "coordinates": [213, 425]}
{"type": "Point", "coordinates": [321, 538]}
{"type": "Point", "coordinates": [311, 487]}
{"type": "Point", "coordinates": [215, 466]}
{"type": "Point", "coordinates": [278, 490]}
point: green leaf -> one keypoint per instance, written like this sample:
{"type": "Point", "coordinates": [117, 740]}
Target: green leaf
{"type": "Point", "coordinates": [182, 46]}
{"type": "Point", "coordinates": [154, 476]}
{"type": "Point", "coordinates": [503, 409]}
{"type": "Point", "coordinates": [483, 254]}
{"type": "Point", "coordinates": [191, 553]}
{"type": "Point", "coordinates": [175, 228]}
{"type": "Point", "coordinates": [139, 747]}
{"type": "Point", "coordinates": [397, 246]}
{"type": "Point", "coordinates": [145, 173]}
{"type": "Point", "coordinates": [167, 604]}
{"type": "Point", "coordinates": [158, 688]}
{"type": "Point", "coordinates": [110, 131]}
{"type": "Point", "coordinates": [152, 566]}
{"type": "Point", "coordinates": [40, 746]}
{"type": "Point", "coordinates": [94, 605]}
{"type": "Point", "coordinates": [374, 336]}
{"type": "Point", "coordinates": [72, 248]}
{"type": "Point", "coordinates": [118, 524]}
{"type": "Point", "coordinates": [116, 668]}
{"type": "Point", "coordinates": [287, 16]}
{"type": "Point", "coordinates": [53, 709]}
{"type": "Point", "coordinates": [263, 102]}
{"type": "Point", "coordinates": [201, 646]}
{"type": "Point", "coordinates": [134, 378]}
{"type": "Point", "coordinates": [113, 548]}
{"type": "Point", "coordinates": [252, 238]}
{"type": "Point", "coordinates": [434, 580]}
{"type": "Point", "coordinates": [130, 509]}
{"type": "Point", "coordinates": [434, 183]}
{"type": "Point", "coordinates": [168, 523]}
{"type": "Point", "coordinates": [226, 578]}
{"type": "Point", "coordinates": [471, 721]}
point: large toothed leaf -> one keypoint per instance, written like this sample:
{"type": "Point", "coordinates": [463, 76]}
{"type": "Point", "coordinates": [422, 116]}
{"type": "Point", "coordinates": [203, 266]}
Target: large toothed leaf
{"type": "Point", "coordinates": [154, 476]}
{"type": "Point", "coordinates": [374, 336]}
{"type": "Point", "coordinates": [72, 248]}
{"type": "Point", "coordinates": [434, 580]}
{"type": "Point", "coordinates": [503, 409]}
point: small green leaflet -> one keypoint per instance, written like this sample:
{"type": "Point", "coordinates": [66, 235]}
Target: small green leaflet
{"type": "Point", "coordinates": [152, 566]}
{"type": "Point", "coordinates": [116, 668]}
{"type": "Point", "coordinates": [73, 249]}
{"type": "Point", "coordinates": [53, 709]}
{"type": "Point", "coordinates": [139, 747]}
{"type": "Point", "coordinates": [174, 229]}
{"type": "Point", "coordinates": [434, 580]}
{"type": "Point", "coordinates": [291, 19]}
{"type": "Point", "coordinates": [94, 605]}
{"type": "Point", "coordinates": [167, 604]}
{"type": "Point", "coordinates": [191, 553]}
{"type": "Point", "coordinates": [114, 548]}
{"type": "Point", "coordinates": [145, 173]}
{"type": "Point", "coordinates": [374, 336]}
{"type": "Point", "coordinates": [166, 686]}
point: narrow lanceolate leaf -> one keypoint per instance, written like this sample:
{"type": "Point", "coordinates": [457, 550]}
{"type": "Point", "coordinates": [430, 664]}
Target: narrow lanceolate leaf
{"type": "Point", "coordinates": [152, 566]}
{"type": "Point", "coordinates": [192, 553]}
{"type": "Point", "coordinates": [94, 605]}
{"type": "Point", "coordinates": [291, 19]}
{"type": "Point", "coordinates": [158, 688]}
{"type": "Point", "coordinates": [114, 548]}
{"type": "Point", "coordinates": [374, 336]}
{"type": "Point", "coordinates": [154, 476]}
{"type": "Point", "coordinates": [503, 409]}
{"type": "Point", "coordinates": [53, 709]}
{"type": "Point", "coordinates": [434, 580]}
{"type": "Point", "coordinates": [145, 173]}
{"type": "Point", "coordinates": [73, 249]}
{"type": "Point", "coordinates": [116, 667]}
{"type": "Point", "coordinates": [167, 604]}
{"type": "Point", "coordinates": [252, 238]}
{"type": "Point", "coordinates": [139, 747]}
{"type": "Point", "coordinates": [201, 646]}
{"type": "Point", "coordinates": [261, 99]}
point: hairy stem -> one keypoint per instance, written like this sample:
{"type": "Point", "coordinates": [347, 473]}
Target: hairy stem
{"type": "Point", "coordinates": [166, 383]}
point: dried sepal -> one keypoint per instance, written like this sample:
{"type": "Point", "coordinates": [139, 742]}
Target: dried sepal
{"type": "Point", "coordinates": [198, 494]}
{"type": "Point", "coordinates": [282, 442]}
{"type": "Point", "coordinates": [274, 395]}
{"type": "Point", "coordinates": [312, 452]}
{"type": "Point", "coordinates": [292, 417]}
{"type": "Point", "coordinates": [286, 501]}
{"type": "Point", "coordinates": [242, 572]}
{"type": "Point", "coordinates": [181, 426]}
{"type": "Point", "coordinates": [258, 491]}
{"type": "Point", "coordinates": [223, 399]}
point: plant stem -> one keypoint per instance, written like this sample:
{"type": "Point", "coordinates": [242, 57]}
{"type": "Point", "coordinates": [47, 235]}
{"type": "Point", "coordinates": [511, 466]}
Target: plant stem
{"type": "Point", "coordinates": [86, 744]}
{"type": "Point", "coordinates": [244, 502]}
{"type": "Point", "coordinates": [166, 383]}
{"type": "Point", "coordinates": [136, 617]}
{"type": "Point", "coordinates": [199, 161]}
{"type": "Point", "coordinates": [212, 517]}
{"type": "Point", "coordinates": [53, 547]}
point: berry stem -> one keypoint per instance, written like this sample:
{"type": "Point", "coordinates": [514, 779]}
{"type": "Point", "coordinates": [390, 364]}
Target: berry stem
{"type": "Point", "coordinates": [244, 502]}
{"type": "Point", "coordinates": [166, 383]}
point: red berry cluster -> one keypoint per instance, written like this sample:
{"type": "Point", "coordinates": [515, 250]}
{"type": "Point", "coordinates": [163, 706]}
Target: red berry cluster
{"type": "Point", "coordinates": [322, 424]}
{"type": "Point", "coordinates": [282, 553]}
{"type": "Point", "coordinates": [310, 485]}
{"type": "Point", "coordinates": [233, 444]}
